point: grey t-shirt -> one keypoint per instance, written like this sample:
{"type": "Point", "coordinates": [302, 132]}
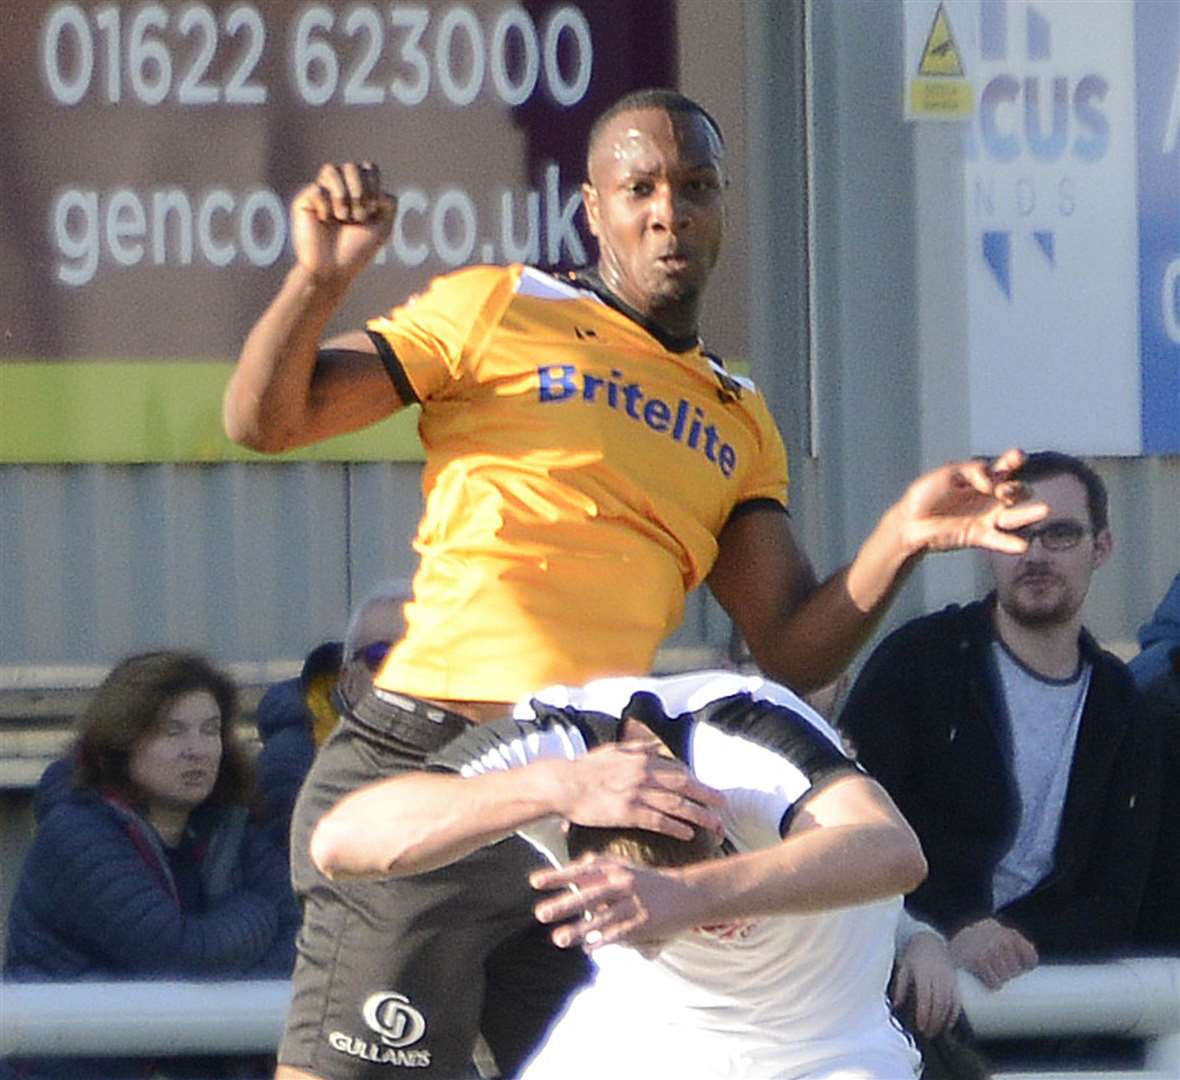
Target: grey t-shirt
{"type": "Point", "coordinates": [1043, 718]}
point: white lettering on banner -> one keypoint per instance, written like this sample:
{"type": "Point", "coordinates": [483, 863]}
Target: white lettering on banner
{"type": "Point", "coordinates": [1171, 301]}
{"type": "Point", "coordinates": [224, 226]}
{"type": "Point", "coordinates": [560, 230]}
{"type": "Point", "coordinates": [407, 253]}
{"type": "Point", "coordinates": [1051, 227]}
{"type": "Point", "coordinates": [144, 55]}
{"type": "Point", "coordinates": [453, 242]}
{"type": "Point", "coordinates": [370, 55]}
{"type": "Point", "coordinates": [338, 53]}
{"type": "Point", "coordinates": [528, 250]}
{"type": "Point", "coordinates": [169, 226]}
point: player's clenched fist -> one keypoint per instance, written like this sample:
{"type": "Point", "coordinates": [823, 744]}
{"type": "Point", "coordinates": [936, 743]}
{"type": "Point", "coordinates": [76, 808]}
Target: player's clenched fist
{"type": "Point", "coordinates": [340, 221]}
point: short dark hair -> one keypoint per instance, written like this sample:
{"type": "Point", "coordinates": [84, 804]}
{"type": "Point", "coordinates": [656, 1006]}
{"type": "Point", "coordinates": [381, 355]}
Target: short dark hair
{"type": "Point", "coordinates": [127, 707]}
{"type": "Point", "coordinates": [640, 845]}
{"type": "Point", "coordinates": [653, 97]}
{"type": "Point", "coordinates": [1046, 463]}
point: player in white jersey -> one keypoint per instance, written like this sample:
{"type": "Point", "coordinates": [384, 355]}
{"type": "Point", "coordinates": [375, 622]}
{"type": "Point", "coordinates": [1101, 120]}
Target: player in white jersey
{"type": "Point", "coordinates": [768, 960]}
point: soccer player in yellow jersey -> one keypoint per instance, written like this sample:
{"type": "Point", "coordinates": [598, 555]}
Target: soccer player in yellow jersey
{"type": "Point", "coordinates": [588, 463]}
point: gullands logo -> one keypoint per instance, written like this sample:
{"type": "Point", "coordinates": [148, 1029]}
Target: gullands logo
{"type": "Point", "coordinates": [683, 422]}
{"type": "Point", "coordinates": [397, 1024]}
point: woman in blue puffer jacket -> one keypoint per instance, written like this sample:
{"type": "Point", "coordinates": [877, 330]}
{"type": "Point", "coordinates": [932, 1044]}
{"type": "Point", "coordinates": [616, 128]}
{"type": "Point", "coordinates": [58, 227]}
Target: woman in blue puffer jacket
{"type": "Point", "coordinates": [146, 862]}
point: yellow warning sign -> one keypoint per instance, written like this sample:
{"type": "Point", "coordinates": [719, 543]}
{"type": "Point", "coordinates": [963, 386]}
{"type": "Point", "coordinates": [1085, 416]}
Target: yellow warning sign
{"type": "Point", "coordinates": [940, 99]}
{"type": "Point", "coordinates": [940, 56]}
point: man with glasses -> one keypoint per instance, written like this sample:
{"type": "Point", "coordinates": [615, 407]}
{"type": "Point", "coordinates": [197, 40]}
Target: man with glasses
{"type": "Point", "coordinates": [1018, 751]}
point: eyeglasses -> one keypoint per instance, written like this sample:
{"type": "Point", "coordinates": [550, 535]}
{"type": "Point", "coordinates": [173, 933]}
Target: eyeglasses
{"type": "Point", "coordinates": [1055, 536]}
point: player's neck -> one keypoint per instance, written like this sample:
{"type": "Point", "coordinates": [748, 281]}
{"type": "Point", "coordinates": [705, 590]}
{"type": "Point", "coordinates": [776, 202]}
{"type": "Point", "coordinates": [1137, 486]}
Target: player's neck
{"type": "Point", "coordinates": [674, 326]}
{"type": "Point", "coordinates": [678, 320]}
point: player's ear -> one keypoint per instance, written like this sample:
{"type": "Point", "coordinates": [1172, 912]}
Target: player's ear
{"type": "Point", "coordinates": [590, 204]}
{"type": "Point", "coordinates": [1103, 546]}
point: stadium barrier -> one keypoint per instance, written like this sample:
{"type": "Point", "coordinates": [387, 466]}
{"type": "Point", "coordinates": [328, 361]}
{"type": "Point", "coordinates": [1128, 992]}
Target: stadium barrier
{"type": "Point", "coordinates": [1137, 998]}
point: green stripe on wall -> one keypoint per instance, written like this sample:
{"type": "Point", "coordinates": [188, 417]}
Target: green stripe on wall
{"type": "Point", "coordinates": [151, 410]}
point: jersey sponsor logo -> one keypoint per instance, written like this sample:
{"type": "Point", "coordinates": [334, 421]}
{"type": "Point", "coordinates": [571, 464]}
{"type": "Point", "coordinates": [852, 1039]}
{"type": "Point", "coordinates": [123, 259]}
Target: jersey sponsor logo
{"type": "Point", "coordinates": [397, 1024]}
{"type": "Point", "coordinates": [683, 422]}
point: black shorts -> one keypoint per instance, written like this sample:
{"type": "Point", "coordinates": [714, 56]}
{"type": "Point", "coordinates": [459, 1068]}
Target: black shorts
{"type": "Point", "coordinates": [400, 977]}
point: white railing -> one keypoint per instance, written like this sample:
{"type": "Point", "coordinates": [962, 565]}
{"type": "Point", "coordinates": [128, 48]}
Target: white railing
{"type": "Point", "coordinates": [1137, 998]}
{"type": "Point", "coordinates": [134, 1019]}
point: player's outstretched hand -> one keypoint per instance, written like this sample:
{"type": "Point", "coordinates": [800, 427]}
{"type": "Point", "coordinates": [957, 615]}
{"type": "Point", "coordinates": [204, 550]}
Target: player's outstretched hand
{"type": "Point", "coordinates": [925, 977]}
{"type": "Point", "coordinates": [606, 900]}
{"type": "Point", "coordinates": [635, 785]}
{"type": "Point", "coordinates": [340, 221]}
{"type": "Point", "coordinates": [973, 503]}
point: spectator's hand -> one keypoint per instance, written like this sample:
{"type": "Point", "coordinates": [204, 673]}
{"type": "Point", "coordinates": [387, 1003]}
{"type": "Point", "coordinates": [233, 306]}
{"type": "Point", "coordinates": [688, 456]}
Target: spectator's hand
{"type": "Point", "coordinates": [606, 900]}
{"type": "Point", "coordinates": [339, 222]}
{"type": "Point", "coordinates": [992, 952]}
{"type": "Point", "coordinates": [926, 974]}
{"type": "Point", "coordinates": [969, 504]}
{"type": "Point", "coordinates": [636, 785]}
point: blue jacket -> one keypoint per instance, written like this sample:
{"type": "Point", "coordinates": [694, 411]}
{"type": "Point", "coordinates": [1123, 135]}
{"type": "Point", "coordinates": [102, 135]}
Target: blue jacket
{"type": "Point", "coordinates": [286, 728]}
{"type": "Point", "coordinates": [1158, 639]}
{"type": "Point", "coordinates": [288, 749]}
{"type": "Point", "coordinates": [96, 901]}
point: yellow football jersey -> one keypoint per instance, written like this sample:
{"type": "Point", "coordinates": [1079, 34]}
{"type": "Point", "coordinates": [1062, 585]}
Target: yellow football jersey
{"type": "Point", "coordinates": [577, 476]}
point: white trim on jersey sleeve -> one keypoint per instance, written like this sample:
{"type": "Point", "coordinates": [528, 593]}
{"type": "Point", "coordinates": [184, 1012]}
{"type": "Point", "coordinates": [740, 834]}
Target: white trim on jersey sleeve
{"type": "Point", "coordinates": [543, 286]}
{"type": "Point", "coordinates": [678, 694]}
{"type": "Point", "coordinates": [554, 742]}
{"type": "Point", "coordinates": [741, 380]}
{"type": "Point", "coordinates": [765, 690]}
{"type": "Point", "coordinates": [547, 834]}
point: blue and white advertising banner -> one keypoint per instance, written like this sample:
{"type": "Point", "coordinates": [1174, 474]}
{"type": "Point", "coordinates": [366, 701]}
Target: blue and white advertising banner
{"type": "Point", "coordinates": [1157, 65]}
{"type": "Point", "coordinates": [1073, 219]}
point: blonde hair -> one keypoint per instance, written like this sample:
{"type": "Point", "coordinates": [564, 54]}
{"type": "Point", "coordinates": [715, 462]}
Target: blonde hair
{"type": "Point", "coordinates": [640, 845]}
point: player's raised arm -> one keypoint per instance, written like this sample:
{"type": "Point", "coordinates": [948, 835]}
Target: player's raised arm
{"type": "Point", "coordinates": [847, 845]}
{"type": "Point", "coordinates": [419, 821]}
{"type": "Point", "coordinates": [804, 634]}
{"type": "Point", "coordinates": [290, 388]}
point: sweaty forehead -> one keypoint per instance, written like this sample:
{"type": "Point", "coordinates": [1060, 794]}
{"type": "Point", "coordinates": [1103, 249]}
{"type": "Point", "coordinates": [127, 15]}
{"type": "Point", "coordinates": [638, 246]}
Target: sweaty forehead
{"type": "Point", "coordinates": [655, 138]}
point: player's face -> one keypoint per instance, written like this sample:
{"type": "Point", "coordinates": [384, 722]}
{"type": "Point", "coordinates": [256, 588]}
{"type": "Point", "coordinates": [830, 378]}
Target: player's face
{"type": "Point", "coordinates": [175, 765]}
{"type": "Point", "coordinates": [1044, 587]}
{"type": "Point", "coordinates": [654, 202]}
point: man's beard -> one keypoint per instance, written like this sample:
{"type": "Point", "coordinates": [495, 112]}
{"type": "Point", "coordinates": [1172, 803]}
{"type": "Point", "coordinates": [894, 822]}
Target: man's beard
{"type": "Point", "coordinates": [1038, 616]}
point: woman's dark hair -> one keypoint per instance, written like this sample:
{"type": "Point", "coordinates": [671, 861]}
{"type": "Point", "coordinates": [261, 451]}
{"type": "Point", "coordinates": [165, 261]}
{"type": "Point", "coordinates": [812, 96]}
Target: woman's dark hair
{"type": "Point", "coordinates": [127, 708]}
